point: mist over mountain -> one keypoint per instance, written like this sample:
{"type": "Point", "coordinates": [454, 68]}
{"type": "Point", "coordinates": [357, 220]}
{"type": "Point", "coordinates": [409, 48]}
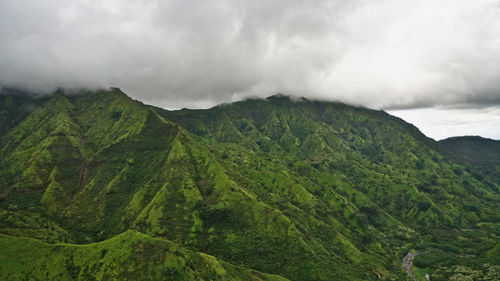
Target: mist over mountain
{"type": "Point", "coordinates": [382, 54]}
{"type": "Point", "coordinates": [96, 185]}
{"type": "Point", "coordinates": [378, 158]}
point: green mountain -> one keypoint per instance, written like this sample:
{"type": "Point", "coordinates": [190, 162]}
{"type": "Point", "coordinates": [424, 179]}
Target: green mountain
{"type": "Point", "coordinates": [479, 155]}
{"type": "Point", "coordinates": [98, 186]}
{"type": "Point", "coordinates": [15, 105]}
{"type": "Point", "coordinates": [472, 149]}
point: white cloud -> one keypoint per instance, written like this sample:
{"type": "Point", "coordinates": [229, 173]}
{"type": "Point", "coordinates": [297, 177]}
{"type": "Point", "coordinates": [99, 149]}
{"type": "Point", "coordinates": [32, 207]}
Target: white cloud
{"type": "Point", "coordinates": [441, 123]}
{"type": "Point", "coordinates": [380, 54]}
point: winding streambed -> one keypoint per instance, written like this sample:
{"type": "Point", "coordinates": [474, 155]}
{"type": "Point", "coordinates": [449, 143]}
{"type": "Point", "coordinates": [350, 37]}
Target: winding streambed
{"type": "Point", "coordinates": [408, 263]}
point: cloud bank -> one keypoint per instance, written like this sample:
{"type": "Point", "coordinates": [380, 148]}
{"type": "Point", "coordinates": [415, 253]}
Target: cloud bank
{"type": "Point", "coordinates": [195, 53]}
{"type": "Point", "coordinates": [441, 123]}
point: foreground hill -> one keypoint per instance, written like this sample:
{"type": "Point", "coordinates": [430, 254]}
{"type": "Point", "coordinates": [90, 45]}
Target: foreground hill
{"type": "Point", "coordinates": [127, 256]}
{"type": "Point", "coordinates": [302, 189]}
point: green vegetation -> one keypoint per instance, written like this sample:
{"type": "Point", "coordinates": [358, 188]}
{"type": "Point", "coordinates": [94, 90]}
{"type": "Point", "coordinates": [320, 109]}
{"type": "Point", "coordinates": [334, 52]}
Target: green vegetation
{"type": "Point", "coordinates": [480, 156]}
{"type": "Point", "coordinates": [15, 105]}
{"type": "Point", "coordinates": [128, 256]}
{"type": "Point", "coordinates": [302, 189]}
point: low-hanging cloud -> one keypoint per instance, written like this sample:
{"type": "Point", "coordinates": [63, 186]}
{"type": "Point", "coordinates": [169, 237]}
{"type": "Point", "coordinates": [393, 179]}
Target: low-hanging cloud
{"type": "Point", "coordinates": [380, 54]}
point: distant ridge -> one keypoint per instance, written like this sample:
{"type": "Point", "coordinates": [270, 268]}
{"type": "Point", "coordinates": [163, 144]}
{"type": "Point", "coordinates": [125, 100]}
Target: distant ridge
{"type": "Point", "coordinates": [472, 149]}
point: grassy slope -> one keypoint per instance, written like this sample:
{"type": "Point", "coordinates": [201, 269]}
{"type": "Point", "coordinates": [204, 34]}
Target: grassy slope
{"type": "Point", "coordinates": [127, 256]}
{"type": "Point", "coordinates": [311, 191]}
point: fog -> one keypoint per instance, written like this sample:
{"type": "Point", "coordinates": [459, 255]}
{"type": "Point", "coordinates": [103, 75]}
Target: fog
{"type": "Point", "coordinates": [389, 54]}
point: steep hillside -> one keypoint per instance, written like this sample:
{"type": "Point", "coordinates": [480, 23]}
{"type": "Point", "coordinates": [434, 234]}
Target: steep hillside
{"type": "Point", "coordinates": [480, 156]}
{"type": "Point", "coordinates": [302, 189]}
{"type": "Point", "coordinates": [384, 183]}
{"type": "Point", "coordinates": [377, 155]}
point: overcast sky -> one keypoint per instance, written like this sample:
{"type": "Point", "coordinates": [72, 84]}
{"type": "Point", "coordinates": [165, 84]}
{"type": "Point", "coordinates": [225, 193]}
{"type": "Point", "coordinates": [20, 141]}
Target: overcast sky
{"type": "Point", "coordinates": [441, 57]}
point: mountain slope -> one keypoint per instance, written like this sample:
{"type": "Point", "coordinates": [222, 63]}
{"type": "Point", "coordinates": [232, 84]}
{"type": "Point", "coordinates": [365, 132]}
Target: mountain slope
{"type": "Point", "coordinates": [472, 149]}
{"type": "Point", "coordinates": [15, 105]}
{"type": "Point", "coordinates": [306, 190]}
{"type": "Point", "coordinates": [372, 176]}
{"type": "Point", "coordinates": [373, 152]}
{"type": "Point", "coordinates": [134, 169]}
{"type": "Point", "coordinates": [128, 256]}
{"type": "Point", "coordinates": [480, 156]}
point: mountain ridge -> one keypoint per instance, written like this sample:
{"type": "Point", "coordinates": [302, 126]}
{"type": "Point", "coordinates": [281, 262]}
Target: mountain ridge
{"type": "Point", "coordinates": [307, 190]}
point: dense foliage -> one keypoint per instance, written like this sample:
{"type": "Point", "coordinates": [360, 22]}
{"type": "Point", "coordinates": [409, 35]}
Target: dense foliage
{"type": "Point", "coordinates": [302, 189]}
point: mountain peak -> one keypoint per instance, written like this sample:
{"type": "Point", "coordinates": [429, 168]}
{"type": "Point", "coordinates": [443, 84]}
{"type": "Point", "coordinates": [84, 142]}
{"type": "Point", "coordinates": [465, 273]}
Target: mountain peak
{"type": "Point", "coordinates": [59, 92]}
{"type": "Point", "coordinates": [58, 102]}
{"type": "Point", "coordinates": [469, 138]}
{"type": "Point", "coordinates": [279, 97]}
